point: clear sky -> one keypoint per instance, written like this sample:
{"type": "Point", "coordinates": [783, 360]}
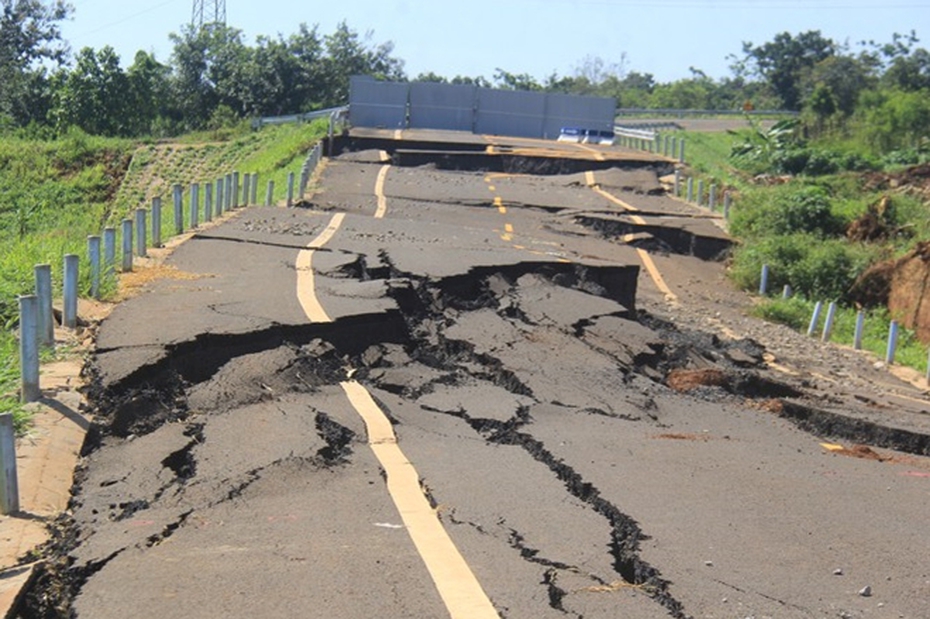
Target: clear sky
{"type": "Point", "coordinates": [474, 37]}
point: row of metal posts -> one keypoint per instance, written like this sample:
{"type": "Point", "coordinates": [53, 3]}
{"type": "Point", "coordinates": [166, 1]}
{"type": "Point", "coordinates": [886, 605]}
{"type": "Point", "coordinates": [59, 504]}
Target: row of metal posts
{"type": "Point", "coordinates": [671, 146]}
{"type": "Point", "coordinates": [893, 327]}
{"type": "Point", "coordinates": [695, 195]}
{"type": "Point", "coordinates": [668, 145]}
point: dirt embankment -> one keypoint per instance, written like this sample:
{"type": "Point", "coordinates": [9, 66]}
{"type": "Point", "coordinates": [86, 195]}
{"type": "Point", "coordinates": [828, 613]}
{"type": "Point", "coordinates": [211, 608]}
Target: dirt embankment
{"type": "Point", "coordinates": [902, 284]}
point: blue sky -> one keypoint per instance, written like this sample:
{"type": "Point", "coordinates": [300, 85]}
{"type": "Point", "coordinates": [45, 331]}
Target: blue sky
{"type": "Point", "coordinates": [474, 37]}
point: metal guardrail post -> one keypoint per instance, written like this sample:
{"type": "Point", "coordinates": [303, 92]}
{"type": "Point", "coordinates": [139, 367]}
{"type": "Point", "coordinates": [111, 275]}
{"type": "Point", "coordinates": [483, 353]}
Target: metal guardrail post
{"type": "Point", "coordinates": [220, 199]}
{"type": "Point", "coordinates": [764, 280]}
{"type": "Point", "coordinates": [726, 205]}
{"type": "Point", "coordinates": [208, 201]}
{"type": "Point", "coordinates": [892, 342]}
{"type": "Point", "coordinates": [815, 319]}
{"type": "Point", "coordinates": [860, 328]}
{"type": "Point", "coordinates": [254, 196]}
{"type": "Point", "coordinates": [93, 256]}
{"type": "Point", "coordinates": [246, 188]}
{"type": "Point", "coordinates": [690, 193]}
{"type": "Point", "coordinates": [9, 480]}
{"type": "Point", "coordinates": [828, 323]}
{"type": "Point", "coordinates": [786, 292]}
{"type": "Point", "coordinates": [109, 250]}
{"type": "Point", "coordinates": [290, 189]}
{"type": "Point", "coordinates": [141, 240]}
{"type": "Point", "coordinates": [46, 320]}
{"type": "Point", "coordinates": [235, 192]}
{"type": "Point", "coordinates": [269, 194]}
{"type": "Point", "coordinates": [712, 197]}
{"type": "Point", "coordinates": [127, 245]}
{"type": "Point", "coordinates": [70, 292]}
{"type": "Point", "coordinates": [195, 205]}
{"type": "Point", "coordinates": [156, 222]}
{"type": "Point", "coordinates": [29, 348]}
{"type": "Point", "coordinates": [228, 203]}
{"type": "Point", "coordinates": [677, 187]}
{"type": "Point", "coordinates": [178, 209]}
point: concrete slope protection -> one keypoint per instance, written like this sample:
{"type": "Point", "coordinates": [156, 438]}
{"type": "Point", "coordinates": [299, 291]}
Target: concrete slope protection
{"type": "Point", "coordinates": [578, 433]}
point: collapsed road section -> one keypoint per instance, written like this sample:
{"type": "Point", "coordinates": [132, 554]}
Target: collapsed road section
{"type": "Point", "coordinates": [591, 448]}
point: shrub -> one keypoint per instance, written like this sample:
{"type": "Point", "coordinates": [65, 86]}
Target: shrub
{"type": "Point", "coordinates": [785, 211]}
{"type": "Point", "coordinates": [814, 268]}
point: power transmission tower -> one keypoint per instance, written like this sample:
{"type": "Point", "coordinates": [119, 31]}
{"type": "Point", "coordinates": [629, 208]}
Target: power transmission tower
{"type": "Point", "coordinates": [208, 12]}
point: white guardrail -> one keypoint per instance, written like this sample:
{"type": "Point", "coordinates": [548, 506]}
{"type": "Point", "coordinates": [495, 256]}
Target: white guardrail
{"type": "Point", "coordinates": [297, 118]}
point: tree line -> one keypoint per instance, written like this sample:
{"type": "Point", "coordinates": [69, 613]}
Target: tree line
{"type": "Point", "coordinates": [214, 77]}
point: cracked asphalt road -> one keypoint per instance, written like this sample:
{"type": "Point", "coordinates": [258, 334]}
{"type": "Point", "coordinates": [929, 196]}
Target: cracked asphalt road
{"type": "Point", "coordinates": [505, 324]}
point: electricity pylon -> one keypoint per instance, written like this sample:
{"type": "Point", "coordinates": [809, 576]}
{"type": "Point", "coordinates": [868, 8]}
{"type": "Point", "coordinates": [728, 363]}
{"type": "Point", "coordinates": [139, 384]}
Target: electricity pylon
{"type": "Point", "coordinates": [208, 12]}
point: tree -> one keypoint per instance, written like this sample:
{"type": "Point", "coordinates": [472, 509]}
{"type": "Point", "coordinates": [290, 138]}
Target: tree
{"type": "Point", "coordinates": [911, 72]}
{"type": "Point", "coordinates": [895, 119]}
{"type": "Point", "coordinates": [431, 77]}
{"type": "Point", "coordinates": [845, 77]}
{"type": "Point", "coordinates": [149, 93]}
{"type": "Point", "coordinates": [95, 95]}
{"type": "Point", "coordinates": [209, 70]}
{"type": "Point", "coordinates": [513, 81]}
{"type": "Point", "coordinates": [784, 60]}
{"type": "Point", "coordinates": [347, 55]}
{"type": "Point", "coordinates": [29, 35]}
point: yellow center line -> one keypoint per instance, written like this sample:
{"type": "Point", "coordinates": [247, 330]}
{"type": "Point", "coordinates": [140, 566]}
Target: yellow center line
{"type": "Point", "coordinates": [399, 134]}
{"type": "Point", "coordinates": [598, 156]}
{"type": "Point", "coordinates": [644, 256]}
{"type": "Point", "coordinates": [306, 290]}
{"type": "Point", "coordinates": [456, 583]}
{"type": "Point", "coordinates": [379, 192]}
{"type": "Point", "coordinates": [500, 205]}
{"type": "Point", "coordinates": [615, 199]}
{"type": "Point", "coordinates": [589, 178]}
{"type": "Point", "coordinates": [657, 278]}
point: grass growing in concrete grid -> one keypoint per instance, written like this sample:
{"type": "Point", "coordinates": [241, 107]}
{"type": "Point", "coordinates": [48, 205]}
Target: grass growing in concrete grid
{"type": "Point", "coordinates": [272, 152]}
{"type": "Point", "coordinates": [796, 313]}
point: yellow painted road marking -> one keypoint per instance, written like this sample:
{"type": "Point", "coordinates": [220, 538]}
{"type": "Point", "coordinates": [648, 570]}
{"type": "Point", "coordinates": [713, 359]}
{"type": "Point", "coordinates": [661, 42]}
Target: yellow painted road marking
{"type": "Point", "coordinates": [306, 291]}
{"type": "Point", "coordinates": [657, 278]}
{"type": "Point", "coordinates": [598, 156]}
{"type": "Point", "coordinates": [614, 199]}
{"type": "Point", "coordinates": [589, 178]}
{"type": "Point", "coordinates": [500, 205]}
{"type": "Point", "coordinates": [398, 134]}
{"type": "Point", "coordinates": [379, 192]}
{"type": "Point", "coordinates": [492, 188]}
{"type": "Point", "coordinates": [644, 256]}
{"type": "Point", "coordinates": [508, 233]}
{"type": "Point", "coordinates": [457, 585]}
